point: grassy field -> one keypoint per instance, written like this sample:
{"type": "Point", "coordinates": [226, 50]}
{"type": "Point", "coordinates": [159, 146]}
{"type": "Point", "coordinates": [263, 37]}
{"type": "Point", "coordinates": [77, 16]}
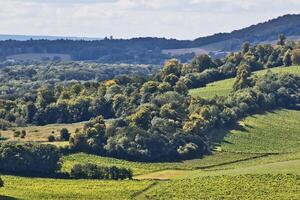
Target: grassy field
{"type": "Point", "coordinates": [53, 189]}
{"type": "Point", "coordinates": [273, 132]}
{"type": "Point", "coordinates": [40, 133]}
{"type": "Point", "coordinates": [139, 168]}
{"type": "Point", "coordinates": [223, 88]}
{"type": "Point", "coordinates": [266, 186]}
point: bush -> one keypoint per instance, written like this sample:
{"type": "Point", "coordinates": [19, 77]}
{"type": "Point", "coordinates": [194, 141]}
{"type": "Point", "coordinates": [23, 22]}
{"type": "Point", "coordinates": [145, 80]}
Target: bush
{"type": "Point", "coordinates": [51, 138]}
{"type": "Point", "coordinates": [29, 158]}
{"type": "Point", "coordinates": [92, 171]}
{"type": "Point", "coordinates": [17, 133]}
{"type": "Point", "coordinates": [23, 134]}
{"type": "Point", "coordinates": [1, 182]}
{"type": "Point", "coordinates": [64, 134]}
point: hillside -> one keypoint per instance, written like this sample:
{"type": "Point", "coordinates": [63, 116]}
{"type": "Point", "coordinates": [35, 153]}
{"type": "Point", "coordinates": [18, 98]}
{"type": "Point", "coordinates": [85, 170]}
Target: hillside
{"type": "Point", "coordinates": [225, 174]}
{"type": "Point", "coordinates": [224, 87]}
{"type": "Point", "coordinates": [153, 50]}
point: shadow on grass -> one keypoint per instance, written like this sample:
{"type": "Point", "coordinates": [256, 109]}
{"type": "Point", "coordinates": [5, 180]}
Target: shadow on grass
{"type": "Point", "coordinates": [7, 198]}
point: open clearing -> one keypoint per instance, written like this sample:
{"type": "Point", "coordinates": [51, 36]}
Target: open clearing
{"type": "Point", "coordinates": [40, 133]}
{"type": "Point", "coordinates": [224, 87]}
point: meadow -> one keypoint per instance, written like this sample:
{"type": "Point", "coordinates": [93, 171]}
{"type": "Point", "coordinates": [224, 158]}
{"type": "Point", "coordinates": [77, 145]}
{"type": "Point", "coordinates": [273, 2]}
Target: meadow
{"type": "Point", "coordinates": [40, 133]}
{"type": "Point", "coordinates": [224, 87]}
{"type": "Point", "coordinates": [52, 189]}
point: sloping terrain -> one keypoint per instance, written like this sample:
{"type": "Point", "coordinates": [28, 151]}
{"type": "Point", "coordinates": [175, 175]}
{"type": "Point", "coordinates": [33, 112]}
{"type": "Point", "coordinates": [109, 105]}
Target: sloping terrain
{"type": "Point", "coordinates": [224, 87]}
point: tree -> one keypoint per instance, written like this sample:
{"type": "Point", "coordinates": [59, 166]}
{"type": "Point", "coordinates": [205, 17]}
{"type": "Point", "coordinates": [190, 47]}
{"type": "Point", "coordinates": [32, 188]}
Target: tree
{"type": "Point", "coordinates": [92, 138]}
{"type": "Point", "coordinates": [32, 159]}
{"type": "Point", "coordinates": [287, 58]}
{"type": "Point", "coordinates": [171, 67]}
{"type": "Point", "coordinates": [1, 183]}
{"type": "Point", "coordinates": [51, 138]}
{"type": "Point", "coordinates": [23, 134]}
{"type": "Point", "coordinates": [296, 57]}
{"type": "Point", "coordinates": [30, 112]}
{"type": "Point", "coordinates": [242, 77]}
{"type": "Point", "coordinates": [281, 40]}
{"type": "Point", "coordinates": [202, 62]}
{"type": "Point", "coordinates": [246, 47]}
{"type": "Point", "coordinates": [64, 134]}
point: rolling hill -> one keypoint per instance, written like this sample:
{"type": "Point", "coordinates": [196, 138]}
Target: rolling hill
{"type": "Point", "coordinates": [153, 50]}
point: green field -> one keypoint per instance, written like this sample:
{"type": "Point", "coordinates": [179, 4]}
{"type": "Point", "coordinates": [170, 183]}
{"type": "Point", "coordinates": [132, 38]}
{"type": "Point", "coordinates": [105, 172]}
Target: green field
{"type": "Point", "coordinates": [281, 187]}
{"type": "Point", "coordinates": [53, 189]}
{"type": "Point", "coordinates": [273, 132]}
{"type": "Point", "coordinates": [224, 87]}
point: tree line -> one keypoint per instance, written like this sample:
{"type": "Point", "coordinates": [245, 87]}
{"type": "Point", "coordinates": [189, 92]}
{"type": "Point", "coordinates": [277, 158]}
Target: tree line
{"type": "Point", "coordinates": [33, 159]}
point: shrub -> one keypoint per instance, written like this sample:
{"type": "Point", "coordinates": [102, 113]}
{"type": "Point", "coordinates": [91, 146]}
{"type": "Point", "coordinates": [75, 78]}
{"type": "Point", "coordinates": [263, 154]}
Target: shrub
{"type": "Point", "coordinates": [1, 182]}
{"type": "Point", "coordinates": [296, 57]}
{"type": "Point", "coordinates": [51, 138]}
{"type": "Point", "coordinates": [23, 134]}
{"type": "Point", "coordinates": [17, 133]}
{"type": "Point", "coordinates": [92, 171]}
{"type": "Point", "coordinates": [29, 158]}
{"type": "Point", "coordinates": [64, 134]}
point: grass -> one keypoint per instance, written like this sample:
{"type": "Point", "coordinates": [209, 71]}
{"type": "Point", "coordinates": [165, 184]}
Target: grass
{"type": "Point", "coordinates": [266, 186]}
{"type": "Point", "coordinates": [273, 132]}
{"type": "Point", "coordinates": [139, 168]}
{"type": "Point", "coordinates": [224, 87]}
{"type": "Point", "coordinates": [53, 189]}
{"type": "Point", "coordinates": [40, 133]}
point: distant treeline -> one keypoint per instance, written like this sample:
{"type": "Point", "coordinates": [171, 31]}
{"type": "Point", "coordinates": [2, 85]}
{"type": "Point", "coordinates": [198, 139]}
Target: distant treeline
{"type": "Point", "coordinates": [149, 50]}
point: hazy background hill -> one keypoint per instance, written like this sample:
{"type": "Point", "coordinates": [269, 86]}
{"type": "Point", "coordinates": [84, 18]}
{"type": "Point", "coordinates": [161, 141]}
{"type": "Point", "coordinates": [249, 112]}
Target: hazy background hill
{"type": "Point", "coordinates": [144, 50]}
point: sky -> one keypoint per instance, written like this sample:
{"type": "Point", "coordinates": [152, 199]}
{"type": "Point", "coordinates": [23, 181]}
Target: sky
{"type": "Point", "coordinates": [180, 19]}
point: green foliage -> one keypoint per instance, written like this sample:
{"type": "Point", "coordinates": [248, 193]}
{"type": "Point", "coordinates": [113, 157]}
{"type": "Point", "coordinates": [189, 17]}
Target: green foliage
{"type": "Point", "coordinates": [1, 183]}
{"type": "Point", "coordinates": [32, 159]}
{"type": "Point", "coordinates": [202, 63]}
{"type": "Point", "coordinates": [242, 77]}
{"type": "Point", "coordinates": [92, 137]}
{"type": "Point", "coordinates": [282, 40]}
{"type": "Point", "coordinates": [224, 87]}
{"type": "Point", "coordinates": [64, 134]}
{"type": "Point", "coordinates": [296, 57]}
{"type": "Point", "coordinates": [92, 171]}
{"type": "Point", "coordinates": [51, 138]}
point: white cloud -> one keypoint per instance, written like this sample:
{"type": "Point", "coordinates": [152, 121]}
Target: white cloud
{"type": "Point", "coordinates": [133, 18]}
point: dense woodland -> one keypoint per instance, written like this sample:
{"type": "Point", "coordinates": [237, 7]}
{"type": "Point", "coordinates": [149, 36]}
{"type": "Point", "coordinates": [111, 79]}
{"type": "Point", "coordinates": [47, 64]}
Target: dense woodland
{"type": "Point", "coordinates": [154, 118]}
{"type": "Point", "coordinates": [23, 79]}
{"type": "Point", "coordinates": [149, 50]}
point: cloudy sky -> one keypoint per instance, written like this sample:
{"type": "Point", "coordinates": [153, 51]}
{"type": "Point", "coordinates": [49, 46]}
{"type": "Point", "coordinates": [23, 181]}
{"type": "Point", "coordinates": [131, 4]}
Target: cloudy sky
{"type": "Point", "coordinates": [182, 19]}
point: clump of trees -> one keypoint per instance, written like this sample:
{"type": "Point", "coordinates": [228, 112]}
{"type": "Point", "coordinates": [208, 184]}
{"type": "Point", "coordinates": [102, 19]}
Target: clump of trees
{"type": "Point", "coordinates": [92, 171]}
{"type": "Point", "coordinates": [29, 159]}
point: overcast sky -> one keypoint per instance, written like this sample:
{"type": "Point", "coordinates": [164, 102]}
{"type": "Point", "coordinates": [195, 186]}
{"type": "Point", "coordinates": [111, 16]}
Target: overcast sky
{"type": "Point", "coordinates": [182, 19]}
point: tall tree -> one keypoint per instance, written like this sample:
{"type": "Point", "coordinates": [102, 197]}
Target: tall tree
{"type": "Point", "coordinates": [242, 78]}
{"type": "Point", "coordinates": [246, 47]}
{"type": "Point", "coordinates": [281, 40]}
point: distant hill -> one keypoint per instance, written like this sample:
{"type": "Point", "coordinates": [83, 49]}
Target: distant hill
{"type": "Point", "coordinates": [149, 50]}
{"type": "Point", "coordinates": [36, 37]}
{"type": "Point", "coordinates": [267, 31]}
